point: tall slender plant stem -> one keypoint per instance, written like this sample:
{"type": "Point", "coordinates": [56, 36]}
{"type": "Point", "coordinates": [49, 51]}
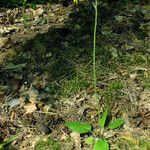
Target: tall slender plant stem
{"type": "Point", "coordinates": [94, 55]}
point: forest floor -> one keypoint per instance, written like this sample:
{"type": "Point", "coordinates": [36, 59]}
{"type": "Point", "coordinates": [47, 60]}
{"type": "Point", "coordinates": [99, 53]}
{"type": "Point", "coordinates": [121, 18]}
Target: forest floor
{"type": "Point", "coordinates": [47, 80]}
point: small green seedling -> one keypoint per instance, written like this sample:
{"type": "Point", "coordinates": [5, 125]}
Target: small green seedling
{"type": "Point", "coordinates": [100, 144]}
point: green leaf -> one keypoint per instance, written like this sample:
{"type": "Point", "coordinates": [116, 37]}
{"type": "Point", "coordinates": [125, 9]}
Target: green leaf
{"type": "Point", "coordinates": [102, 120]}
{"type": "Point", "coordinates": [101, 145]}
{"type": "Point", "coordinates": [75, 2]}
{"type": "Point", "coordinates": [144, 144]}
{"type": "Point", "coordinates": [33, 6]}
{"type": "Point", "coordinates": [89, 140]}
{"type": "Point", "coordinates": [79, 127]}
{"type": "Point", "coordinates": [117, 123]}
{"type": "Point", "coordinates": [2, 145]}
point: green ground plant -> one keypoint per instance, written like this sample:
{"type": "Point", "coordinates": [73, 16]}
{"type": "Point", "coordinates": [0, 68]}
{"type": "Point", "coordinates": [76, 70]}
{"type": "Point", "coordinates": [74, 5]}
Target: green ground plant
{"type": "Point", "coordinates": [4, 144]}
{"type": "Point", "coordinates": [98, 144]}
{"type": "Point", "coordinates": [129, 144]}
{"type": "Point", "coordinates": [73, 85]}
{"type": "Point", "coordinates": [47, 144]}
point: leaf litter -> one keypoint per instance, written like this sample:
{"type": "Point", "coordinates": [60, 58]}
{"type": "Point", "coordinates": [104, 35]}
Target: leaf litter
{"type": "Point", "coordinates": [35, 119]}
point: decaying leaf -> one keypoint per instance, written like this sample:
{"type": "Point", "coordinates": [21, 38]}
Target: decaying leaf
{"type": "Point", "coordinates": [30, 108]}
{"type": "Point", "coordinates": [77, 140]}
{"type": "Point", "coordinates": [129, 137]}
